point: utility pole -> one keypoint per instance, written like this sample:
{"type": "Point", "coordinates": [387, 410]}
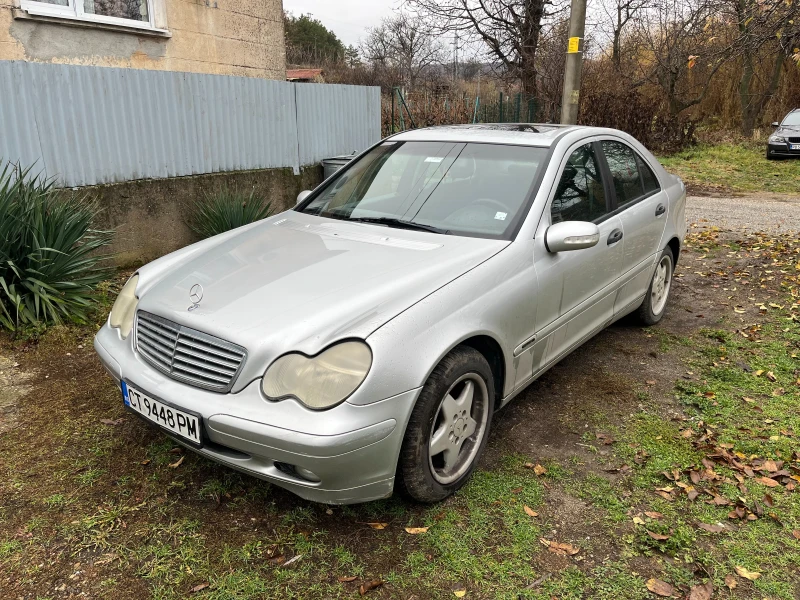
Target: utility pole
{"type": "Point", "coordinates": [455, 58]}
{"type": "Point", "coordinates": [570, 100]}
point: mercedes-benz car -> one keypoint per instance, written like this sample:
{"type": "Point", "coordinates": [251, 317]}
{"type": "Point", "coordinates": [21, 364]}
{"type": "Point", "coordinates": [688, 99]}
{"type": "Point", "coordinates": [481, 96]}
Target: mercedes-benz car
{"type": "Point", "coordinates": [361, 342]}
{"type": "Point", "coordinates": [785, 140]}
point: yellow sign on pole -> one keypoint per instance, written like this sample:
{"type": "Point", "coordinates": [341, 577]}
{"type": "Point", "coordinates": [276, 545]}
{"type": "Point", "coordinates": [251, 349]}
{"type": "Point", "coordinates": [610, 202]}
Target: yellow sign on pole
{"type": "Point", "coordinates": [574, 45]}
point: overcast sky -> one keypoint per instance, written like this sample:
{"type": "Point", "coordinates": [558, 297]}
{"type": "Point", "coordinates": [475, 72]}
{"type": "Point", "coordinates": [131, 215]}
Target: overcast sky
{"type": "Point", "coordinates": [348, 19]}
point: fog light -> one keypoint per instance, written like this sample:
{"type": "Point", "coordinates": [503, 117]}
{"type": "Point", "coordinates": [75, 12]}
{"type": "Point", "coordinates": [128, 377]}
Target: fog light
{"type": "Point", "coordinates": [297, 472]}
{"type": "Point", "coordinates": [307, 475]}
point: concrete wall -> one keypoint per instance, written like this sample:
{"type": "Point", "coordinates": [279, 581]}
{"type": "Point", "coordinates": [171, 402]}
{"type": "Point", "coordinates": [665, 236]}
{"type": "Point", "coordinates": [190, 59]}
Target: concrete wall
{"type": "Point", "coordinates": [150, 216]}
{"type": "Point", "coordinates": [227, 37]}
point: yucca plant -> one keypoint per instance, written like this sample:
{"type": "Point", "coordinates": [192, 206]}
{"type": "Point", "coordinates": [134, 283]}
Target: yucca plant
{"type": "Point", "coordinates": [226, 210]}
{"type": "Point", "coordinates": [49, 267]}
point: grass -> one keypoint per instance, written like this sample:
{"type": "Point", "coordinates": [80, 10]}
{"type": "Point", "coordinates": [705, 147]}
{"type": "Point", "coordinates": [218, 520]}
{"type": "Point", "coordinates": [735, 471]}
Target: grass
{"type": "Point", "coordinates": [734, 168]}
{"type": "Point", "coordinates": [74, 490]}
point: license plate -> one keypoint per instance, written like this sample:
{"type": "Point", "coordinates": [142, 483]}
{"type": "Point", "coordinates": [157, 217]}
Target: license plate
{"type": "Point", "coordinates": [170, 418]}
{"type": "Point", "coordinates": [794, 146]}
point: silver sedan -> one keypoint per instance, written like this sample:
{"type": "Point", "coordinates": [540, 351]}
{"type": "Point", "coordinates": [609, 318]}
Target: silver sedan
{"type": "Point", "coordinates": [362, 341]}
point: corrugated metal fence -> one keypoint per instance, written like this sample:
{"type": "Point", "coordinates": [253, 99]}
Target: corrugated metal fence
{"type": "Point", "coordinates": [90, 125]}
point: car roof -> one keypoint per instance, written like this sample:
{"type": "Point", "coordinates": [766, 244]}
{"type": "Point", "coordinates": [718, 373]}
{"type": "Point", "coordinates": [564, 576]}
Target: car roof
{"type": "Point", "coordinates": [522, 134]}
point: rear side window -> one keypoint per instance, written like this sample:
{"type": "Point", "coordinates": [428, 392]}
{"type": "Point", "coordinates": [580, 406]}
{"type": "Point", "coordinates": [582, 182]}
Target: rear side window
{"type": "Point", "coordinates": [624, 171]}
{"type": "Point", "coordinates": [648, 177]}
{"type": "Point", "coordinates": [580, 195]}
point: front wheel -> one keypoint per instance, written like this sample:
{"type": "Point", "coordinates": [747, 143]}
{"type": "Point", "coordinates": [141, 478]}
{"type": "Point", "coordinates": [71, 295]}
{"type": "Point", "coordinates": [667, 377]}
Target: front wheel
{"type": "Point", "coordinates": [655, 302]}
{"type": "Point", "coordinates": [448, 428]}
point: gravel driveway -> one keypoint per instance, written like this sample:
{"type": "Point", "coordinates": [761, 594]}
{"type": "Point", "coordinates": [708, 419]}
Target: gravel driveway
{"type": "Point", "coordinates": [775, 214]}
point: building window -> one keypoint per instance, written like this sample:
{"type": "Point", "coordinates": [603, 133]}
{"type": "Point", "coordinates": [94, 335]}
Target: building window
{"type": "Point", "coordinates": [132, 13]}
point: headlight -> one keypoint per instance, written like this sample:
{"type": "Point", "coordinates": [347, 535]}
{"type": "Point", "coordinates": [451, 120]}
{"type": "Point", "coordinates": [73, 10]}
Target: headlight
{"type": "Point", "coordinates": [124, 308]}
{"type": "Point", "coordinates": [320, 381]}
{"type": "Point", "coordinates": [777, 138]}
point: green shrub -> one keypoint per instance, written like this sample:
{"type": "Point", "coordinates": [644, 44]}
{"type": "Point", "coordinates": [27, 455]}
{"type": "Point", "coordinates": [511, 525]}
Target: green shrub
{"type": "Point", "coordinates": [48, 265]}
{"type": "Point", "coordinates": [226, 210]}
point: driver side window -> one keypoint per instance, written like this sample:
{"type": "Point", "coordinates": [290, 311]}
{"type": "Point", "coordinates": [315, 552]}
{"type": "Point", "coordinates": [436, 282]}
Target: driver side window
{"type": "Point", "coordinates": [580, 195]}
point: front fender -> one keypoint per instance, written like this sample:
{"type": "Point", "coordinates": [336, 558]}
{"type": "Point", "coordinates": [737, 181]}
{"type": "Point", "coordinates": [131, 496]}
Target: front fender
{"type": "Point", "coordinates": [496, 299]}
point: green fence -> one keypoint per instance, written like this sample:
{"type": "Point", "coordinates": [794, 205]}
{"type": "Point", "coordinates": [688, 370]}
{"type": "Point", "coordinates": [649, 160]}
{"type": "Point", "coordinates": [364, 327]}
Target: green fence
{"type": "Point", "coordinates": [401, 112]}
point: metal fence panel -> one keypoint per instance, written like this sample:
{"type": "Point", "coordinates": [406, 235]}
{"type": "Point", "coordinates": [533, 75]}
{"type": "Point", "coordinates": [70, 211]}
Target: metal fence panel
{"type": "Point", "coordinates": [89, 125]}
{"type": "Point", "coordinates": [336, 119]}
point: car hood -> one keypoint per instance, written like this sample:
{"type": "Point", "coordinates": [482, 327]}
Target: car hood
{"type": "Point", "coordinates": [298, 282]}
{"type": "Point", "coordinates": [788, 130]}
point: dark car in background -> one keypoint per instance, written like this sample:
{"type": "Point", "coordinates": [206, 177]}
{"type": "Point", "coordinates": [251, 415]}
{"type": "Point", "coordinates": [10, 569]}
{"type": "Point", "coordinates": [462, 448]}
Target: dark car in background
{"type": "Point", "coordinates": [785, 141]}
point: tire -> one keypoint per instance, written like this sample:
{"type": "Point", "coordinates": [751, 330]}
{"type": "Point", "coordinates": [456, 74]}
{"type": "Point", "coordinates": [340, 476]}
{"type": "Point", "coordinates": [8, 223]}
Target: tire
{"type": "Point", "coordinates": [655, 304]}
{"type": "Point", "coordinates": [426, 476]}
{"type": "Point", "coordinates": [768, 155]}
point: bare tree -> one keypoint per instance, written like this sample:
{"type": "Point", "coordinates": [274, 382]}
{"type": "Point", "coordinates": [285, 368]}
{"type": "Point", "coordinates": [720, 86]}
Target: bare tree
{"type": "Point", "coordinates": [619, 13]}
{"type": "Point", "coordinates": [510, 30]}
{"type": "Point", "coordinates": [403, 43]}
{"type": "Point", "coordinates": [685, 55]}
{"type": "Point", "coordinates": [768, 32]}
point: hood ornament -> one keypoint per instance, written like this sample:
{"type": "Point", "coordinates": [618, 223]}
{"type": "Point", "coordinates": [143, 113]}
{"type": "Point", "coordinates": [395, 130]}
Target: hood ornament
{"type": "Point", "coordinates": [196, 296]}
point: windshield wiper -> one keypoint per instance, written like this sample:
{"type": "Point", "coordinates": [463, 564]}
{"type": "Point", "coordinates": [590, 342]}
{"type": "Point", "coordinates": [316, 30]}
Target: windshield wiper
{"type": "Point", "coordinates": [399, 223]}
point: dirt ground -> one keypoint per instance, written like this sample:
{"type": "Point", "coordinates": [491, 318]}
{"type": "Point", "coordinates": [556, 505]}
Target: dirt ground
{"type": "Point", "coordinates": [566, 421]}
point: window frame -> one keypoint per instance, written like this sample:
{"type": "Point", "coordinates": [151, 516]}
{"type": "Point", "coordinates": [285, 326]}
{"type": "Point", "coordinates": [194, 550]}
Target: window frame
{"type": "Point", "coordinates": [74, 11]}
{"type": "Point", "coordinates": [602, 166]}
{"type": "Point", "coordinates": [618, 208]}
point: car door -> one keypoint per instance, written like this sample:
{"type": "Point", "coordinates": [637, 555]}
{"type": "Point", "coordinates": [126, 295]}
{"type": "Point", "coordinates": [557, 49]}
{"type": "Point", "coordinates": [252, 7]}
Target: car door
{"type": "Point", "coordinates": [642, 207]}
{"type": "Point", "coordinates": [576, 288]}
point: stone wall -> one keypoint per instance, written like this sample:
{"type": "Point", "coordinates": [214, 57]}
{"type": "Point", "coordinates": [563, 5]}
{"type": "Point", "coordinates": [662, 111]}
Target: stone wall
{"type": "Point", "coordinates": [222, 37]}
{"type": "Point", "coordinates": [150, 216]}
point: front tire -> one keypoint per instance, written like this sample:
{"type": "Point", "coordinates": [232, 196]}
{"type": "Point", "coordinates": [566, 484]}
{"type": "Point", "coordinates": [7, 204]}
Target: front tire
{"type": "Point", "coordinates": [448, 428]}
{"type": "Point", "coordinates": [655, 301]}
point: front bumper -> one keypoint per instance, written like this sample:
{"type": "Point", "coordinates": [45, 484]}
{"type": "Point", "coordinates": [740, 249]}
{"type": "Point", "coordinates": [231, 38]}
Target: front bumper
{"type": "Point", "coordinates": [351, 449]}
{"type": "Point", "coordinates": [782, 150]}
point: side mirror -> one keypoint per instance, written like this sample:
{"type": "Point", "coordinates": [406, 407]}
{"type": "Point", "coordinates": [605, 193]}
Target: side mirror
{"type": "Point", "coordinates": [302, 196]}
{"type": "Point", "coordinates": [776, 124]}
{"type": "Point", "coordinates": [571, 235]}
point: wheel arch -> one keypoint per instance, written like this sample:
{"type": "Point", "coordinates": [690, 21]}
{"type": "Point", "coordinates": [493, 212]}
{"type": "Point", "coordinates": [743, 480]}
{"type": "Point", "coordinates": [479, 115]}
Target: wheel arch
{"type": "Point", "coordinates": [675, 245]}
{"type": "Point", "coordinates": [493, 353]}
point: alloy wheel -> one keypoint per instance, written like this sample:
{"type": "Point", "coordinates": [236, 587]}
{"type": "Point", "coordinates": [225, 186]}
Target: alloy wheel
{"type": "Point", "coordinates": [458, 428]}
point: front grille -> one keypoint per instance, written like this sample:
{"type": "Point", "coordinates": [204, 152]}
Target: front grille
{"type": "Point", "coordinates": [186, 354]}
{"type": "Point", "coordinates": [794, 140]}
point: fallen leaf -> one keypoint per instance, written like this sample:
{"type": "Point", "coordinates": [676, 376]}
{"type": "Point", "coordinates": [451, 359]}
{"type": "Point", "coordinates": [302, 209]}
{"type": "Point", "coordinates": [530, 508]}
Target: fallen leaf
{"type": "Point", "coordinates": [701, 592]}
{"type": "Point", "coordinates": [292, 560]}
{"type": "Point", "coordinates": [178, 463]}
{"type": "Point", "coordinates": [657, 536]}
{"type": "Point", "coordinates": [377, 525]}
{"type": "Point", "coordinates": [751, 575]}
{"type": "Point", "coordinates": [370, 585]}
{"type": "Point", "coordinates": [767, 481]}
{"type": "Point", "coordinates": [654, 515]}
{"type": "Point", "coordinates": [796, 534]}
{"type": "Point", "coordinates": [539, 469]}
{"type": "Point", "coordinates": [530, 512]}
{"type": "Point", "coordinates": [660, 588]}
{"type": "Point", "coordinates": [711, 528]}
{"type": "Point", "coordinates": [459, 591]}
{"type": "Point", "coordinates": [562, 549]}
{"type": "Point", "coordinates": [416, 530]}
{"type": "Point", "coordinates": [199, 588]}
{"type": "Point", "coordinates": [347, 579]}
{"type": "Point", "coordinates": [771, 376]}
{"type": "Point", "coordinates": [112, 422]}
{"type": "Point", "coordinates": [638, 521]}
{"type": "Point", "coordinates": [730, 581]}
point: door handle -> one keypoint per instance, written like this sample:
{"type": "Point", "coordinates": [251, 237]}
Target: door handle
{"type": "Point", "coordinates": [614, 237]}
{"type": "Point", "coordinates": [661, 210]}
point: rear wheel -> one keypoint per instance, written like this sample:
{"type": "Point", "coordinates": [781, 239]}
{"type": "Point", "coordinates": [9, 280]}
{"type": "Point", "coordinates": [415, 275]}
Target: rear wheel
{"type": "Point", "coordinates": [655, 301]}
{"type": "Point", "coordinates": [448, 428]}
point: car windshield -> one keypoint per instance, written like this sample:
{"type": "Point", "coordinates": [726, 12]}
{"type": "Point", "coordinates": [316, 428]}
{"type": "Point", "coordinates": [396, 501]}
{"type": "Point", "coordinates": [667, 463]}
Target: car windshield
{"type": "Point", "coordinates": [478, 190]}
{"type": "Point", "coordinates": [792, 119]}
